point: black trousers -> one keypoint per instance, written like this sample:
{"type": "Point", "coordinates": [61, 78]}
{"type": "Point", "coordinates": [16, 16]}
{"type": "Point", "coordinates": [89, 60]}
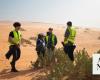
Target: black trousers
{"type": "Point", "coordinates": [15, 52]}
{"type": "Point", "coordinates": [69, 49]}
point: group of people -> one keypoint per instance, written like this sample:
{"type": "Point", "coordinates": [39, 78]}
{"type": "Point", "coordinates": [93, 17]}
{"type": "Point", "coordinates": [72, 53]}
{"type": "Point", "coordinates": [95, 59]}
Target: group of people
{"type": "Point", "coordinates": [45, 43]}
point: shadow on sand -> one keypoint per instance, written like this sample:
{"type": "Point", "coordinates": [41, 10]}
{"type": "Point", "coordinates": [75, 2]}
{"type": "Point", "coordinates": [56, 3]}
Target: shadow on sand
{"type": "Point", "coordinates": [9, 75]}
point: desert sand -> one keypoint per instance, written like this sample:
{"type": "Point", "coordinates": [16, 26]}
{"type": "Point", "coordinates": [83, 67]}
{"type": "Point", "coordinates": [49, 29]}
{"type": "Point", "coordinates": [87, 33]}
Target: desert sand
{"type": "Point", "coordinates": [87, 38]}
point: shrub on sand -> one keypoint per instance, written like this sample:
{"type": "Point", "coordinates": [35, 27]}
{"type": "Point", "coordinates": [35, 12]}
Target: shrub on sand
{"type": "Point", "coordinates": [64, 69]}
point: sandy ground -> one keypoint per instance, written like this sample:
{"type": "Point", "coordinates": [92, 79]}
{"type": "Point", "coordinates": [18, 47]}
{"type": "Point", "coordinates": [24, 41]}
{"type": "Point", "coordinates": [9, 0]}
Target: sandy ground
{"type": "Point", "coordinates": [86, 38]}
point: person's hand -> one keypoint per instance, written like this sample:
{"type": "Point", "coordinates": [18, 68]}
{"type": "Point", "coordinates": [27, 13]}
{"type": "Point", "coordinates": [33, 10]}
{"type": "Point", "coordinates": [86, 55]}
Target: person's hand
{"type": "Point", "coordinates": [18, 45]}
{"type": "Point", "coordinates": [62, 43]}
{"type": "Point", "coordinates": [53, 46]}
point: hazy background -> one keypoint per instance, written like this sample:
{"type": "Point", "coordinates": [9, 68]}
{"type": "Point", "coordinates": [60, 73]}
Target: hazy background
{"type": "Point", "coordinates": [80, 12]}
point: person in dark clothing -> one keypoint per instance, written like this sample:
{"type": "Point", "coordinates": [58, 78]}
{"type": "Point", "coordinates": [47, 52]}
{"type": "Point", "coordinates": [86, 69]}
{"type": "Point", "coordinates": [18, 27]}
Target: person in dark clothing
{"type": "Point", "coordinates": [40, 48]}
{"type": "Point", "coordinates": [51, 42]}
{"type": "Point", "coordinates": [40, 44]}
{"type": "Point", "coordinates": [14, 48]}
{"type": "Point", "coordinates": [69, 39]}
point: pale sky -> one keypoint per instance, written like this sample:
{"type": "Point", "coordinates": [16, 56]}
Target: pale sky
{"type": "Point", "coordinates": [80, 12]}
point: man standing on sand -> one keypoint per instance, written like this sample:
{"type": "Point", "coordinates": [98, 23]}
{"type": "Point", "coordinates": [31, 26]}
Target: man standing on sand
{"type": "Point", "coordinates": [14, 48]}
{"type": "Point", "coordinates": [51, 42]}
{"type": "Point", "coordinates": [69, 40]}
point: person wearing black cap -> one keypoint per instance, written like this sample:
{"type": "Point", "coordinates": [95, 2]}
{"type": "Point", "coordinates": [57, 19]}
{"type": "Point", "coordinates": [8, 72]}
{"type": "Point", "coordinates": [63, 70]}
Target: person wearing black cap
{"type": "Point", "coordinates": [14, 48]}
{"type": "Point", "coordinates": [51, 42]}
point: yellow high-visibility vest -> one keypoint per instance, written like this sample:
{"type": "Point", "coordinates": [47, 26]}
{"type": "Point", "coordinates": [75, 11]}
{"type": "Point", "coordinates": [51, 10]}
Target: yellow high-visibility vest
{"type": "Point", "coordinates": [71, 36]}
{"type": "Point", "coordinates": [17, 37]}
{"type": "Point", "coordinates": [53, 39]}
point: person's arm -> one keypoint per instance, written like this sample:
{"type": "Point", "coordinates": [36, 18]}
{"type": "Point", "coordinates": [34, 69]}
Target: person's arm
{"type": "Point", "coordinates": [20, 40]}
{"type": "Point", "coordinates": [45, 41]}
{"type": "Point", "coordinates": [39, 43]}
{"type": "Point", "coordinates": [55, 41]}
{"type": "Point", "coordinates": [11, 38]}
{"type": "Point", "coordinates": [67, 33]}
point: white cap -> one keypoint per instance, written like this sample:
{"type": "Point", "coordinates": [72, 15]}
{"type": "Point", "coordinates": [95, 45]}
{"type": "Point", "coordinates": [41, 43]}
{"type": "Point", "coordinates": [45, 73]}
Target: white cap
{"type": "Point", "coordinates": [44, 34]}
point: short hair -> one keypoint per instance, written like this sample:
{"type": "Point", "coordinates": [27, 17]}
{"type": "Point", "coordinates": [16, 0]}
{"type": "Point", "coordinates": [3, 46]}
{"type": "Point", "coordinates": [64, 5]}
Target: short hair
{"type": "Point", "coordinates": [51, 28]}
{"type": "Point", "coordinates": [17, 24]}
{"type": "Point", "coordinates": [39, 36]}
{"type": "Point", "coordinates": [69, 23]}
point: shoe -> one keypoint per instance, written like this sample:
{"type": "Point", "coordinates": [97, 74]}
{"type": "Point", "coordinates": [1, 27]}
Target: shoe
{"type": "Point", "coordinates": [14, 70]}
{"type": "Point", "coordinates": [6, 56]}
{"type": "Point", "coordinates": [63, 44]}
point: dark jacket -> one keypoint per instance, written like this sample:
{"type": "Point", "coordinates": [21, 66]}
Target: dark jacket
{"type": "Point", "coordinates": [40, 46]}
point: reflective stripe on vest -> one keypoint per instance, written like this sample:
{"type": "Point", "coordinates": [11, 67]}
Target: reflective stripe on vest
{"type": "Point", "coordinates": [53, 38]}
{"type": "Point", "coordinates": [72, 35]}
{"type": "Point", "coordinates": [17, 37]}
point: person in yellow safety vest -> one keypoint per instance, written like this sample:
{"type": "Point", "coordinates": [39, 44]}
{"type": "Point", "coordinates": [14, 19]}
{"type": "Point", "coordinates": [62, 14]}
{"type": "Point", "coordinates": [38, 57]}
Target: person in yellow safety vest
{"type": "Point", "coordinates": [14, 48]}
{"type": "Point", "coordinates": [51, 42]}
{"type": "Point", "coordinates": [69, 40]}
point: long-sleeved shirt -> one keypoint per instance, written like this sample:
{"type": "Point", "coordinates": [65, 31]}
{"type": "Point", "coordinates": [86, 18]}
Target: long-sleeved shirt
{"type": "Point", "coordinates": [40, 45]}
{"type": "Point", "coordinates": [67, 33]}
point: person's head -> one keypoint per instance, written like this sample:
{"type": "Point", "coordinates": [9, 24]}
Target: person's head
{"type": "Point", "coordinates": [41, 36]}
{"type": "Point", "coordinates": [50, 30]}
{"type": "Point", "coordinates": [17, 25]}
{"type": "Point", "coordinates": [48, 33]}
{"type": "Point", "coordinates": [69, 23]}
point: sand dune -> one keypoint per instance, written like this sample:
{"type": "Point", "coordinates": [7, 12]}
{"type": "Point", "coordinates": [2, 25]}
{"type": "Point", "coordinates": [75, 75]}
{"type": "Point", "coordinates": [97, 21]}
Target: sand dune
{"type": "Point", "coordinates": [86, 38]}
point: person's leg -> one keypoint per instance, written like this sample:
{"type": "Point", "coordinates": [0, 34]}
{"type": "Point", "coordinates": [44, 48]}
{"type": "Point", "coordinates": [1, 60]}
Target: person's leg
{"type": "Point", "coordinates": [13, 59]}
{"type": "Point", "coordinates": [36, 65]}
{"type": "Point", "coordinates": [66, 49]}
{"type": "Point", "coordinates": [43, 52]}
{"type": "Point", "coordinates": [70, 52]}
{"type": "Point", "coordinates": [16, 56]}
{"type": "Point", "coordinates": [9, 53]}
{"type": "Point", "coordinates": [48, 56]}
{"type": "Point", "coordinates": [18, 53]}
{"type": "Point", "coordinates": [41, 60]}
{"type": "Point", "coordinates": [43, 57]}
{"type": "Point", "coordinates": [53, 55]}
